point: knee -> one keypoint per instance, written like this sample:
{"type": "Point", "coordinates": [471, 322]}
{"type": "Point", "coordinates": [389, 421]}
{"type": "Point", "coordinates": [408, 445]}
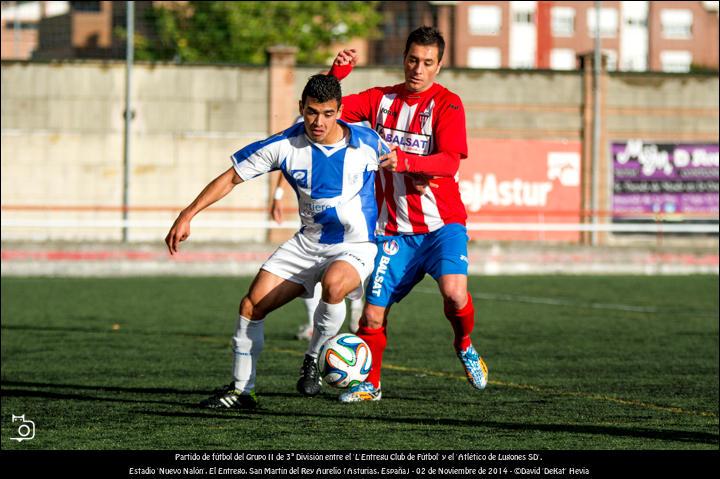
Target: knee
{"type": "Point", "coordinates": [455, 297]}
{"type": "Point", "coordinates": [250, 310]}
{"type": "Point", "coordinates": [333, 292]}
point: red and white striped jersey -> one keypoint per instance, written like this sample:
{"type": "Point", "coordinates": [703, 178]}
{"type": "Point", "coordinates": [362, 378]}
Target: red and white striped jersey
{"type": "Point", "coordinates": [421, 124]}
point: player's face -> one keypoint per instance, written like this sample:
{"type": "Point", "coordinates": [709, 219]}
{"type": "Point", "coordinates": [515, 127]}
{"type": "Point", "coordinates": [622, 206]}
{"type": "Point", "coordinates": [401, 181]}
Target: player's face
{"type": "Point", "coordinates": [321, 120]}
{"type": "Point", "coordinates": [421, 67]}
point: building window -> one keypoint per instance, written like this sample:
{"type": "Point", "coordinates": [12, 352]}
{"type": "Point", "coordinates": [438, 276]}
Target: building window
{"type": "Point", "coordinates": [677, 61]}
{"type": "Point", "coordinates": [485, 19]}
{"type": "Point", "coordinates": [20, 26]}
{"type": "Point", "coordinates": [524, 16]}
{"type": "Point", "coordinates": [482, 57]}
{"type": "Point", "coordinates": [611, 59]}
{"type": "Point", "coordinates": [85, 6]}
{"type": "Point", "coordinates": [563, 59]}
{"type": "Point", "coordinates": [563, 21]}
{"type": "Point", "coordinates": [636, 22]}
{"type": "Point", "coordinates": [676, 24]}
{"type": "Point", "coordinates": [608, 22]}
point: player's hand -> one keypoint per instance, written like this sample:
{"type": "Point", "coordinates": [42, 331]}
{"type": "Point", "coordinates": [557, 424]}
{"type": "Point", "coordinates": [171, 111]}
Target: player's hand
{"type": "Point", "coordinates": [349, 56]}
{"type": "Point", "coordinates": [179, 232]}
{"type": "Point", "coordinates": [421, 182]}
{"type": "Point", "coordinates": [389, 161]}
{"type": "Point", "coordinates": [276, 211]}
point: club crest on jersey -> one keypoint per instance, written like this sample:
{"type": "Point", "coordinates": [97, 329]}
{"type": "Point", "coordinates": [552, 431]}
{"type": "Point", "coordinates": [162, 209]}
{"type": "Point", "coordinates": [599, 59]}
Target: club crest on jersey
{"type": "Point", "coordinates": [424, 117]}
{"type": "Point", "coordinates": [300, 177]}
{"type": "Point", "coordinates": [391, 247]}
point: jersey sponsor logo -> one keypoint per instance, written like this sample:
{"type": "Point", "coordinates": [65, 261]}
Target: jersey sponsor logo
{"type": "Point", "coordinates": [391, 247]}
{"type": "Point", "coordinates": [300, 177]}
{"type": "Point", "coordinates": [415, 143]}
{"type": "Point", "coordinates": [309, 210]}
{"type": "Point", "coordinates": [388, 112]}
{"type": "Point", "coordinates": [380, 275]}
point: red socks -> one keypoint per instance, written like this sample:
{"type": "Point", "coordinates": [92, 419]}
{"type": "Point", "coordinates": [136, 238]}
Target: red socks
{"type": "Point", "coordinates": [462, 322]}
{"type": "Point", "coordinates": [376, 339]}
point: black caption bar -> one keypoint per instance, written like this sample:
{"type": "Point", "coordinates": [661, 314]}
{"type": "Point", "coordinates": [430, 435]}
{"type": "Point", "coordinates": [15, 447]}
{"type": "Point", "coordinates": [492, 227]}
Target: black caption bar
{"type": "Point", "coordinates": [410, 464]}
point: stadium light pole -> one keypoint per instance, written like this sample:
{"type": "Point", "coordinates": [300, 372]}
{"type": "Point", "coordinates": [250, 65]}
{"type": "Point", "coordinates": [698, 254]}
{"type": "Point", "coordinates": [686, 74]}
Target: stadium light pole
{"type": "Point", "coordinates": [596, 124]}
{"type": "Point", "coordinates": [129, 55]}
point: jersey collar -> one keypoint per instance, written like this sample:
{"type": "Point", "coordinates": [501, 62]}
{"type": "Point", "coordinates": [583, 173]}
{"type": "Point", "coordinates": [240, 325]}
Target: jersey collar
{"type": "Point", "coordinates": [353, 140]}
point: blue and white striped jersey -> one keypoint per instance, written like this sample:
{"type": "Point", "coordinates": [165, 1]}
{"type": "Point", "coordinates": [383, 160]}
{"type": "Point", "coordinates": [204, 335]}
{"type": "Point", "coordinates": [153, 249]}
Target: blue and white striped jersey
{"type": "Point", "coordinates": [335, 184]}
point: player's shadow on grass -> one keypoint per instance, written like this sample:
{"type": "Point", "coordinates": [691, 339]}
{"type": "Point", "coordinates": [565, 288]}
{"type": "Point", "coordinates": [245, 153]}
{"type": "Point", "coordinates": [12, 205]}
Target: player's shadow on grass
{"type": "Point", "coordinates": [642, 433]}
{"type": "Point", "coordinates": [109, 330]}
{"type": "Point", "coordinates": [20, 389]}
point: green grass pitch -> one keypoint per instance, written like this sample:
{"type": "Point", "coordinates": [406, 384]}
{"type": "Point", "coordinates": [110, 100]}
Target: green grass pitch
{"type": "Point", "coordinates": [576, 362]}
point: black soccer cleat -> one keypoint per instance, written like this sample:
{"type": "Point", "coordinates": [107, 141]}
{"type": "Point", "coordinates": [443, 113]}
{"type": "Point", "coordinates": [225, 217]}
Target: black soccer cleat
{"type": "Point", "coordinates": [309, 382]}
{"type": "Point", "coordinates": [227, 397]}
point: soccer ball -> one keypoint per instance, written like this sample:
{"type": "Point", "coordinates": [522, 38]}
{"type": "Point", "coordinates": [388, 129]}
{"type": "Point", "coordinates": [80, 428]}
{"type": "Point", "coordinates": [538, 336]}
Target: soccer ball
{"type": "Point", "coordinates": [344, 361]}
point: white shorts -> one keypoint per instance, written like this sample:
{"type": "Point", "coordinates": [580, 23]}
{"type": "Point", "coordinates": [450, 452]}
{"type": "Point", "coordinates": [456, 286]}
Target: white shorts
{"type": "Point", "coordinates": [304, 262]}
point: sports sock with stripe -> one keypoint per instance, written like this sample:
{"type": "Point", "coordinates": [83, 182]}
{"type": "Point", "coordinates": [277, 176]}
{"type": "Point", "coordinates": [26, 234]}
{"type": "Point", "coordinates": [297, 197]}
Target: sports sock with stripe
{"type": "Point", "coordinates": [248, 343]}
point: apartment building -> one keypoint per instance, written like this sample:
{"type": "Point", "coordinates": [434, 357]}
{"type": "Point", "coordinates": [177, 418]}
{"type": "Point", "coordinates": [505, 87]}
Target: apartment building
{"type": "Point", "coordinates": [634, 35]}
{"type": "Point", "coordinates": [672, 36]}
{"type": "Point", "coordinates": [20, 21]}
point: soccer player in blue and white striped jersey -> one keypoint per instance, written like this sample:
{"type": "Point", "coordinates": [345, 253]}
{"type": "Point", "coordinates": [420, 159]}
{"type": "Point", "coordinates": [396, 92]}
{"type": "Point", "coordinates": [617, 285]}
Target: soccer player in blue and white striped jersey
{"type": "Point", "coordinates": [331, 167]}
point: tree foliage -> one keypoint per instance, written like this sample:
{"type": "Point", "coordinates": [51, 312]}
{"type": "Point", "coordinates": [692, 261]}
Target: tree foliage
{"type": "Point", "coordinates": [241, 32]}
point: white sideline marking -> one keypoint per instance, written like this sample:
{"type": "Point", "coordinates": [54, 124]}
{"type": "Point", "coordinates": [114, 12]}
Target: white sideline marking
{"type": "Point", "coordinates": [513, 298]}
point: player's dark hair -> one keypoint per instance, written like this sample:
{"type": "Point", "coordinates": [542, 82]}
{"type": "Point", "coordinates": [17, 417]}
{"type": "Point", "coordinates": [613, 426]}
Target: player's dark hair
{"type": "Point", "coordinates": [426, 36]}
{"type": "Point", "coordinates": [322, 88]}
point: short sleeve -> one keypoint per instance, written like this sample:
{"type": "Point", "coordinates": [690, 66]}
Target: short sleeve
{"type": "Point", "coordinates": [257, 158]}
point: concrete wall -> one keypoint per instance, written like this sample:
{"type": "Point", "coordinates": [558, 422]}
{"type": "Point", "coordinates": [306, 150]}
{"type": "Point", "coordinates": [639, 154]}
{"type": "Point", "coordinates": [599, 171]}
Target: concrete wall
{"type": "Point", "coordinates": [62, 144]}
{"type": "Point", "coordinates": [62, 132]}
{"type": "Point", "coordinates": [498, 103]}
{"type": "Point", "coordinates": [662, 107]}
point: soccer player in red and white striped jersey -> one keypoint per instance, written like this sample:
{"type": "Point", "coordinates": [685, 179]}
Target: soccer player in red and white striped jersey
{"type": "Point", "coordinates": [420, 230]}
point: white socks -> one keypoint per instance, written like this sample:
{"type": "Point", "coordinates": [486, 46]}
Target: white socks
{"type": "Point", "coordinates": [356, 309]}
{"type": "Point", "coordinates": [248, 343]}
{"type": "Point", "coordinates": [328, 321]}
{"type": "Point", "coordinates": [311, 304]}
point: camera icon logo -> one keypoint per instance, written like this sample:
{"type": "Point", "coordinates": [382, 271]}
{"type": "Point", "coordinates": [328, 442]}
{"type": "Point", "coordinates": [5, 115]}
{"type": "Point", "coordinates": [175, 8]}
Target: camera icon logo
{"type": "Point", "coordinates": [26, 429]}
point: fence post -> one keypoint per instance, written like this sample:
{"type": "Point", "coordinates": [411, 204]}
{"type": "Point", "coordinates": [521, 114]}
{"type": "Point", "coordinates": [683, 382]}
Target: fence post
{"type": "Point", "coordinates": [595, 187]}
{"type": "Point", "coordinates": [283, 111]}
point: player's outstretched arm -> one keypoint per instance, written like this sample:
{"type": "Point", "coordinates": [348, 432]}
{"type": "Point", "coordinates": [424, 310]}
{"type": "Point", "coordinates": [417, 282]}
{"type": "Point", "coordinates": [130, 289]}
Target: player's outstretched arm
{"type": "Point", "coordinates": [214, 191]}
